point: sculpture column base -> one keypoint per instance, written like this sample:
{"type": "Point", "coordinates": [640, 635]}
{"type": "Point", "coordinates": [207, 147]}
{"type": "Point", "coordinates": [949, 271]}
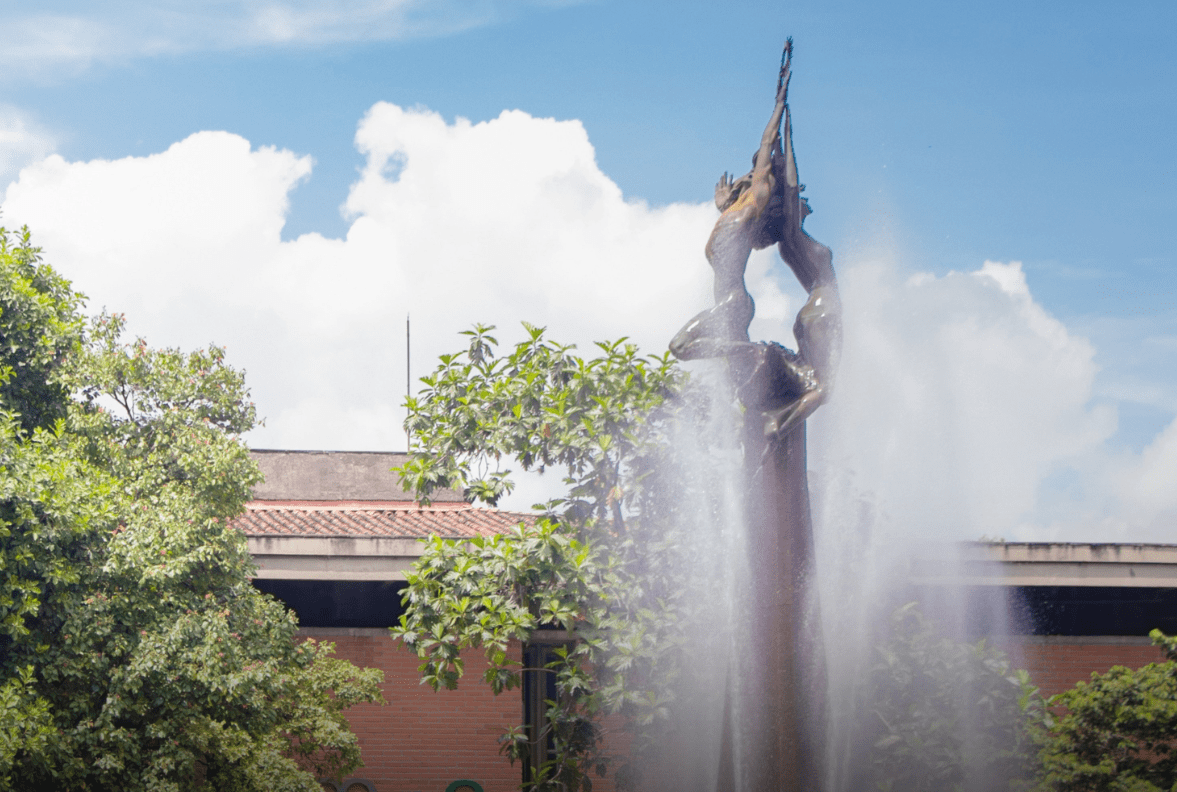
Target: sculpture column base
{"type": "Point", "coordinates": [775, 718]}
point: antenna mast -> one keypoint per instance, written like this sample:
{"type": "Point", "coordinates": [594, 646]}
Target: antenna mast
{"type": "Point", "coordinates": [408, 381]}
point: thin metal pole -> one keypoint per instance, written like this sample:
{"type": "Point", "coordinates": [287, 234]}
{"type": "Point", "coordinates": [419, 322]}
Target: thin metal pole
{"type": "Point", "coordinates": [408, 380]}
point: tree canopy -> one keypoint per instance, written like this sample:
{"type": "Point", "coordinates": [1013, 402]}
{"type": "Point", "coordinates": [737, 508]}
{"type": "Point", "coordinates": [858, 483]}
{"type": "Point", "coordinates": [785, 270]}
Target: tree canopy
{"type": "Point", "coordinates": [134, 652]}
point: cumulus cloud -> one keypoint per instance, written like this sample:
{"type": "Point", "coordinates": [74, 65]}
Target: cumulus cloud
{"type": "Point", "coordinates": [1147, 487]}
{"type": "Point", "coordinates": [497, 222]}
{"type": "Point", "coordinates": [22, 141]}
{"type": "Point", "coordinates": [960, 405]}
{"type": "Point", "coordinates": [958, 397]}
{"type": "Point", "coordinates": [70, 36]}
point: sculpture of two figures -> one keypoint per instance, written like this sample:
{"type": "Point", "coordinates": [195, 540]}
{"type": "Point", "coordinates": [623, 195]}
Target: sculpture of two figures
{"type": "Point", "coordinates": [762, 208]}
{"type": "Point", "coordinates": [774, 715]}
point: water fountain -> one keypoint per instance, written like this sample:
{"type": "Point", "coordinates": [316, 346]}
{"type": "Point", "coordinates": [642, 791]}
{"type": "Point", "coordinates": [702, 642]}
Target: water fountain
{"type": "Point", "coordinates": [772, 734]}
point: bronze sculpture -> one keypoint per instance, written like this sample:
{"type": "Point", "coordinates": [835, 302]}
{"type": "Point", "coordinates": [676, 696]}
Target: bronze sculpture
{"type": "Point", "coordinates": [762, 208]}
{"type": "Point", "coordinates": [775, 717]}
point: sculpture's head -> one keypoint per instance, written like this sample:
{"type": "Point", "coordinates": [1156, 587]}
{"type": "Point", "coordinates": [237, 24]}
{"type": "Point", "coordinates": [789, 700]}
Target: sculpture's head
{"type": "Point", "coordinates": [771, 227]}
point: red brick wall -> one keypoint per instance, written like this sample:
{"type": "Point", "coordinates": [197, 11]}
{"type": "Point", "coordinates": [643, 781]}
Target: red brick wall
{"type": "Point", "coordinates": [420, 741]}
{"type": "Point", "coordinates": [1056, 663]}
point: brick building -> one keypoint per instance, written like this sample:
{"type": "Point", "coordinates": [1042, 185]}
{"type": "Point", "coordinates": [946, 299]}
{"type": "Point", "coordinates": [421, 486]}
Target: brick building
{"type": "Point", "coordinates": [1071, 608]}
{"type": "Point", "coordinates": [333, 534]}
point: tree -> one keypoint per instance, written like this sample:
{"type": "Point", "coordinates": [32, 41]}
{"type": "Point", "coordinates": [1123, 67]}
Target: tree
{"type": "Point", "coordinates": [601, 563]}
{"type": "Point", "coordinates": [134, 653]}
{"type": "Point", "coordinates": [1119, 731]}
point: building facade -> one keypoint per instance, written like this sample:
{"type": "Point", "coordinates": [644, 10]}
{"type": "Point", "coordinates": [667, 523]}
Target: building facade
{"type": "Point", "coordinates": [333, 535]}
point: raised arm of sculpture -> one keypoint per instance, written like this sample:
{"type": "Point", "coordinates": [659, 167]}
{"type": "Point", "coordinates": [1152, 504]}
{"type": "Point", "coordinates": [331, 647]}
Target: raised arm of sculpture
{"type": "Point", "coordinates": [761, 180]}
{"type": "Point", "coordinates": [764, 176]}
{"type": "Point", "coordinates": [749, 214]}
{"type": "Point", "coordinates": [818, 327]}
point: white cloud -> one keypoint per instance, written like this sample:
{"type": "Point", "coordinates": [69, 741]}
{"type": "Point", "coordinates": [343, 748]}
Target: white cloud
{"type": "Point", "coordinates": [959, 401]}
{"type": "Point", "coordinates": [22, 141]}
{"type": "Point", "coordinates": [496, 222]}
{"type": "Point", "coordinates": [70, 36]}
{"type": "Point", "coordinates": [160, 229]}
{"type": "Point", "coordinates": [957, 397]}
{"type": "Point", "coordinates": [1147, 487]}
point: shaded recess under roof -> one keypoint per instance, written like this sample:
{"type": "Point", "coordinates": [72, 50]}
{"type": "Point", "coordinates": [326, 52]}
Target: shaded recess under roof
{"type": "Point", "coordinates": [339, 603]}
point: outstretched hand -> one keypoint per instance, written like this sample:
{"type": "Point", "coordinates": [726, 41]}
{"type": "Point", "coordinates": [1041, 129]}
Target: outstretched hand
{"type": "Point", "coordinates": [723, 191]}
{"type": "Point", "coordinates": [782, 84]}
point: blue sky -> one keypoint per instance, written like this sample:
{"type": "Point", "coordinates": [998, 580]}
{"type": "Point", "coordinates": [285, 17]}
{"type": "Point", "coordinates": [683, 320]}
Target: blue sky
{"type": "Point", "coordinates": [933, 137]}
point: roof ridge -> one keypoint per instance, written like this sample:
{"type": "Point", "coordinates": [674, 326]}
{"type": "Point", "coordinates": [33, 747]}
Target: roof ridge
{"type": "Point", "coordinates": [355, 505]}
{"type": "Point", "coordinates": [397, 506]}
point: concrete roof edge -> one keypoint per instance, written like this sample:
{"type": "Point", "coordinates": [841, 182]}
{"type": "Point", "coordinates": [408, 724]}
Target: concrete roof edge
{"type": "Point", "coordinates": [1072, 552]}
{"type": "Point", "coordinates": [322, 451]}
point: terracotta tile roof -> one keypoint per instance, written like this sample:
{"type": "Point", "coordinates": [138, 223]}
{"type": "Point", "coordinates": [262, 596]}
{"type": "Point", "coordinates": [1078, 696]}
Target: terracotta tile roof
{"type": "Point", "coordinates": [397, 519]}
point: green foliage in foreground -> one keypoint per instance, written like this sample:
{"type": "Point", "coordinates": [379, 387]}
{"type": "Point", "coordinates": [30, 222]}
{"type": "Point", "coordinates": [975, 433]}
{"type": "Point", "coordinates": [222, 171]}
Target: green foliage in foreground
{"type": "Point", "coordinates": [1119, 731]}
{"type": "Point", "coordinates": [601, 563]}
{"type": "Point", "coordinates": [941, 715]}
{"type": "Point", "coordinates": [134, 653]}
{"type": "Point", "coordinates": [945, 715]}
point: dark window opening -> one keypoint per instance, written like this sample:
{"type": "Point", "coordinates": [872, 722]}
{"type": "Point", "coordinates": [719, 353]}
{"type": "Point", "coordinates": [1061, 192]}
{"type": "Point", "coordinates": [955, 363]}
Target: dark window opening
{"type": "Point", "coordinates": [339, 603]}
{"type": "Point", "coordinates": [973, 612]}
{"type": "Point", "coordinates": [539, 687]}
{"type": "Point", "coordinates": [1099, 610]}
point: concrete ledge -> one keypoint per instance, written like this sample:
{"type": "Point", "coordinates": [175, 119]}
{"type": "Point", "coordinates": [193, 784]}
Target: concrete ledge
{"type": "Point", "coordinates": [1044, 574]}
{"type": "Point", "coordinates": [348, 632]}
{"type": "Point", "coordinates": [1073, 640]}
{"type": "Point", "coordinates": [1047, 564]}
{"type": "Point", "coordinates": [333, 558]}
{"type": "Point", "coordinates": [347, 546]}
{"type": "Point", "coordinates": [1057, 552]}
